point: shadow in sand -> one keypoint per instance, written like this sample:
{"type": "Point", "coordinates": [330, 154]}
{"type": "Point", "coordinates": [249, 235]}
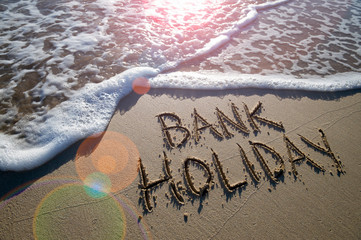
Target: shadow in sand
{"type": "Point", "coordinates": [11, 180]}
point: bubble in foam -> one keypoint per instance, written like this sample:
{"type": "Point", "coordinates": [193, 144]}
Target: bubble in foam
{"type": "Point", "coordinates": [109, 156]}
{"type": "Point", "coordinates": [61, 215]}
{"type": "Point", "coordinates": [141, 85]}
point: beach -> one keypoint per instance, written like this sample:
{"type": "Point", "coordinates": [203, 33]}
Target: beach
{"type": "Point", "coordinates": [180, 120]}
{"type": "Point", "coordinates": [312, 204]}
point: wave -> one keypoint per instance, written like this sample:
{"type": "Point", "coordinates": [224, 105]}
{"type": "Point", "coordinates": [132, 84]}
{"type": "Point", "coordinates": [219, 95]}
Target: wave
{"type": "Point", "coordinates": [88, 109]}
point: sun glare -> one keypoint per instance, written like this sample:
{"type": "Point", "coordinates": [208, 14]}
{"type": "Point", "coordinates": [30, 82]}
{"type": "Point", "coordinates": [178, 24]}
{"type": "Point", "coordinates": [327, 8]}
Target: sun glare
{"type": "Point", "coordinates": [179, 14]}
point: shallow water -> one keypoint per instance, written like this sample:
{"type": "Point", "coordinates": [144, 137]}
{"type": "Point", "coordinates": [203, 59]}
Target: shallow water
{"type": "Point", "coordinates": [300, 38]}
{"type": "Point", "coordinates": [65, 65]}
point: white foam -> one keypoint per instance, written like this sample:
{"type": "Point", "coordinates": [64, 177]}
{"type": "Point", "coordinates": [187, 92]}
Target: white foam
{"type": "Point", "coordinates": [210, 80]}
{"type": "Point", "coordinates": [251, 14]}
{"type": "Point", "coordinates": [90, 108]}
{"type": "Point", "coordinates": [86, 113]}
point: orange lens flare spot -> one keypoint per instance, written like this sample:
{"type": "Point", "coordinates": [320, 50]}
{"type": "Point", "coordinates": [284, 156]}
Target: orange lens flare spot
{"type": "Point", "coordinates": [110, 156]}
{"type": "Point", "coordinates": [141, 85]}
{"type": "Point", "coordinates": [110, 153]}
{"type": "Point", "coordinates": [106, 164]}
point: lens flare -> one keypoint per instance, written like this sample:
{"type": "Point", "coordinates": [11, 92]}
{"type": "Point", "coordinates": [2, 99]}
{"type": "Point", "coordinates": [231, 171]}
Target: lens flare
{"type": "Point", "coordinates": [108, 161]}
{"type": "Point", "coordinates": [72, 184]}
{"type": "Point", "coordinates": [67, 212]}
{"type": "Point", "coordinates": [36, 184]}
{"type": "Point", "coordinates": [111, 156]}
{"type": "Point", "coordinates": [97, 185]}
{"type": "Point", "coordinates": [181, 14]}
{"type": "Point", "coordinates": [107, 164]}
{"type": "Point", "coordinates": [141, 85]}
{"type": "Point", "coordinates": [129, 207]}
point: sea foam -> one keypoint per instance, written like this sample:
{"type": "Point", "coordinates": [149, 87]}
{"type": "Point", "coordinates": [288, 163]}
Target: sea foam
{"type": "Point", "coordinates": [89, 109]}
{"type": "Point", "coordinates": [86, 113]}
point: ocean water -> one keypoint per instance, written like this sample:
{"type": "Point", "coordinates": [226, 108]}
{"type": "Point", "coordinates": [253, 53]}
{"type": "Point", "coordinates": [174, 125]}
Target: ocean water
{"type": "Point", "coordinates": [65, 65]}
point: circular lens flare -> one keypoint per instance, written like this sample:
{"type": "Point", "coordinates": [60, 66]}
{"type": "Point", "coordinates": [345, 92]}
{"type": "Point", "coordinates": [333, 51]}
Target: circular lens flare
{"type": "Point", "coordinates": [111, 157]}
{"type": "Point", "coordinates": [97, 185]}
{"type": "Point", "coordinates": [106, 164]}
{"type": "Point", "coordinates": [141, 85]}
{"type": "Point", "coordinates": [60, 215]}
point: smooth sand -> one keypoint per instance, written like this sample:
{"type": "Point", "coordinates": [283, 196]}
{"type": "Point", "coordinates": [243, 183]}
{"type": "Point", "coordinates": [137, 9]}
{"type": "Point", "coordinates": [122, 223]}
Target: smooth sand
{"type": "Point", "coordinates": [315, 204]}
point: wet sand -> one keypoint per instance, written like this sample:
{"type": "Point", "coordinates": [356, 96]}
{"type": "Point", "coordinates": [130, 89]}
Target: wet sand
{"type": "Point", "coordinates": [210, 188]}
{"type": "Point", "coordinates": [232, 164]}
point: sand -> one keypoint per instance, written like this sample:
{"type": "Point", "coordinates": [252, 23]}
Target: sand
{"type": "Point", "coordinates": [213, 199]}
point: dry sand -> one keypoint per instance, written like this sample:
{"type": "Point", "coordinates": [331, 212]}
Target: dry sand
{"type": "Point", "coordinates": [312, 205]}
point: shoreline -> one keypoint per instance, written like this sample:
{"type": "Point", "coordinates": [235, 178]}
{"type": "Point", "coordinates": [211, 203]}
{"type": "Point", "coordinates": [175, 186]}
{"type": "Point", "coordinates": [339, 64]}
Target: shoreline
{"type": "Point", "coordinates": [293, 47]}
{"type": "Point", "coordinates": [314, 200]}
{"type": "Point", "coordinates": [236, 159]}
